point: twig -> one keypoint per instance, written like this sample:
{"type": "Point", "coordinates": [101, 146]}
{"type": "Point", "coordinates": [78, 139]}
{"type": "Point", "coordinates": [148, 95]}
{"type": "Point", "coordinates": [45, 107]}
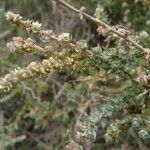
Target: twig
{"type": "Point", "coordinates": [30, 90]}
{"type": "Point", "coordinates": [143, 94]}
{"type": "Point", "coordinates": [86, 105]}
{"type": "Point", "coordinates": [7, 97]}
{"type": "Point", "coordinates": [4, 34]}
{"type": "Point", "coordinates": [100, 22]}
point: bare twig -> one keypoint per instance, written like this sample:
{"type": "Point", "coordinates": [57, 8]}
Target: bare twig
{"type": "Point", "coordinates": [7, 97]}
{"type": "Point", "coordinates": [83, 110]}
{"type": "Point", "coordinates": [101, 23]}
{"type": "Point", "coordinates": [4, 34]}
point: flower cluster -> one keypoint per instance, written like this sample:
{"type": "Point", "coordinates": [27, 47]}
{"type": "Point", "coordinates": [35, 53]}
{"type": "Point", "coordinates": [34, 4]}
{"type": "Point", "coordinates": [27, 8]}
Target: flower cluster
{"type": "Point", "coordinates": [20, 43]}
{"type": "Point", "coordinates": [36, 27]}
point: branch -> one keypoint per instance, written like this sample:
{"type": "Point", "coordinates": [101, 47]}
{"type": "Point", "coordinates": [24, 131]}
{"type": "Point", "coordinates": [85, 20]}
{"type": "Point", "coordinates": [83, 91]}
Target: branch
{"type": "Point", "coordinates": [100, 22]}
{"type": "Point", "coordinates": [4, 34]}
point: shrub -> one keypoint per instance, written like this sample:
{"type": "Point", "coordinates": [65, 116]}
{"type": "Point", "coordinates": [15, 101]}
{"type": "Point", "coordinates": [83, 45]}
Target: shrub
{"type": "Point", "coordinates": [102, 92]}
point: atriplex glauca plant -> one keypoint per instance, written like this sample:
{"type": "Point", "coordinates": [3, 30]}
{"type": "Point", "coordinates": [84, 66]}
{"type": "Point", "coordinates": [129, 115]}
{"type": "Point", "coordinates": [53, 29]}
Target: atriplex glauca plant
{"type": "Point", "coordinates": [118, 73]}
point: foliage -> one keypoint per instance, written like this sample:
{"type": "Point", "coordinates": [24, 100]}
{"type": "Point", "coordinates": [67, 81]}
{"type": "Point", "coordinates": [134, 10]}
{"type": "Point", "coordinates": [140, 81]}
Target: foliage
{"type": "Point", "coordinates": [77, 90]}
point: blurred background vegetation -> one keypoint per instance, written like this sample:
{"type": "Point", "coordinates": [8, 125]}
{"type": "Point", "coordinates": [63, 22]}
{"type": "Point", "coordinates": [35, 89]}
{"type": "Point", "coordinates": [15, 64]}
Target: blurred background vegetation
{"type": "Point", "coordinates": [45, 110]}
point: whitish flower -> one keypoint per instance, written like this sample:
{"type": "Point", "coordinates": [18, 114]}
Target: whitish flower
{"type": "Point", "coordinates": [11, 46]}
{"type": "Point", "coordinates": [18, 41]}
{"type": "Point", "coordinates": [12, 17]}
{"type": "Point", "coordinates": [63, 36]}
{"type": "Point", "coordinates": [29, 43]}
{"type": "Point", "coordinates": [36, 26]}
